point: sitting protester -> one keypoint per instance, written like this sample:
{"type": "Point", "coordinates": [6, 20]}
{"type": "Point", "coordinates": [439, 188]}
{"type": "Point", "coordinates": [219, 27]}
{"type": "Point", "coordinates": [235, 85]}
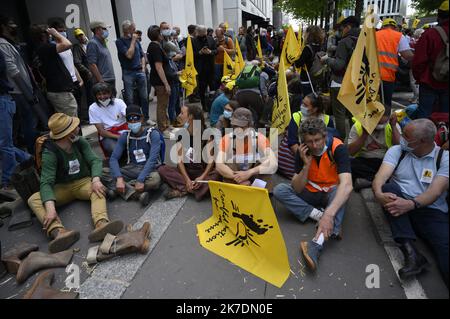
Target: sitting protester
{"type": "Point", "coordinates": [368, 150]}
{"type": "Point", "coordinates": [144, 150]}
{"type": "Point", "coordinates": [244, 154]}
{"type": "Point", "coordinates": [412, 186]}
{"type": "Point", "coordinates": [224, 121]}
{"type": "Point", "coordinates": [192, 172]}
{"type": "Point", "coordinates": [219, 103]}
{"type": "Point", "coordinates": [320, 188]}
{"type": "Point", "coordinates": [312, 107]}
{"type": "Point", "coordinates": [108, 115]}
{"type": "Point", "coordinates": [70, 171]}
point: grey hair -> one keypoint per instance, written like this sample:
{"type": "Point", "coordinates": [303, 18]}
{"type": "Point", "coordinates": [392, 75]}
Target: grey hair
{"type": "Point", "coordinates": [312, 126]}
{"type": "Point", "coordinates": [424, 129]}
{"type": "Point", "coordinates": [201, 28]}
{"type": "Point", "coordinates": [126, 24]}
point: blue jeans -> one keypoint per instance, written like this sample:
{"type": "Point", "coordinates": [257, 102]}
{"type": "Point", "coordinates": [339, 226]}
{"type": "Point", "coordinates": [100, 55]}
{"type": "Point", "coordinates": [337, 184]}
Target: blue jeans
{"type": "Point", "coordinates": [301, 205]}
{"type": "Point", "coordinates": [430, 224]}
{"type": "Point", "coordinates": [108, 145]}
{"type": "Point", "coordinates": [427, 97]}
{"type": "Point", "coordinates": [129, 79]}
{"type": "Point", "coordinates": [174, 101]}
{"type": "Point", "coordinates": [10, 154]}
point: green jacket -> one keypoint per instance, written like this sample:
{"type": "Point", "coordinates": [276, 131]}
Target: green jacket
{"type": "Point", "coordinates": [83, 162]}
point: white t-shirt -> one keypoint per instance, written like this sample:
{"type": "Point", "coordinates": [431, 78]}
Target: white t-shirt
{"type": "Point", "coordinates": [67, 58]}
{"type": "Point", "coordinates": [110, 116]}
{"type": "Point", "coordinates": [403, 45]}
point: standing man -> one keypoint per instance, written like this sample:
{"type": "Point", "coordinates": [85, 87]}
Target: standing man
{"type": "Point", "coordinates": [427, 50]}
{"type": "Point", "coordinates": [204, 53]}
{"type": "Point", "coordinates": [99, 57]}
{"type": "Point", "coordinates": [224, 44]}
{"type": "Point", "coordinates": [390, 44]}
{"type": "Point", "coordinates": [132, 60]}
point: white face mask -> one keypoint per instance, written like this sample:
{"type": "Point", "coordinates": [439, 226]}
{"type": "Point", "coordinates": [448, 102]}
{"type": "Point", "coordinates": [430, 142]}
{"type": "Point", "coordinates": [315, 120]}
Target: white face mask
{"type": "Point", "coordinates": [105, 103]}
{"type": "Point", "coordinates": [323, 151]}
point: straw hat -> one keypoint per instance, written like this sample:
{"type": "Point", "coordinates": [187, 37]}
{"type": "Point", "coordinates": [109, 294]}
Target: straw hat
{"type": "Point", "coordinates": [61, 125]}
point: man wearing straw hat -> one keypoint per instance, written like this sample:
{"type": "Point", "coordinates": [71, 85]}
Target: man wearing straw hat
{"type": "Point", "coordinates": [70, 171]}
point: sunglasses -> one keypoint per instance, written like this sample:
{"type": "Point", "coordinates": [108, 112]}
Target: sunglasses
{"type": "Point", "coordinates": [133, 118]}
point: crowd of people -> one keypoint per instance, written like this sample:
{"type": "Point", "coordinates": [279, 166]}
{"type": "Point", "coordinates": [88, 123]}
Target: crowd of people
{"type": "Point", "coordinates": [325, 153]}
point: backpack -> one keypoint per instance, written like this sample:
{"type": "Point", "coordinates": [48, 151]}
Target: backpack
{"type": "Point", "coordinates": [440, 67]}
{"type": "Point", "coordinates": [45, 142]}
{"type": "Point", "coordinates": [162, 151]}
{"type": "Point", "coordinates": [438, 159]}
{"type": "Point", "coordinates": [249, 77]}
{"type": "Point", "coordinates": [318, 71]}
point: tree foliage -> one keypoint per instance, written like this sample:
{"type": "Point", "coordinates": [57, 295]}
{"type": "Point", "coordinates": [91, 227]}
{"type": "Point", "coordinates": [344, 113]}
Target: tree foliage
{"type": "Point", "coordinates": [426, 7]}
{"type": "Point", "coordinates": [310, 9]}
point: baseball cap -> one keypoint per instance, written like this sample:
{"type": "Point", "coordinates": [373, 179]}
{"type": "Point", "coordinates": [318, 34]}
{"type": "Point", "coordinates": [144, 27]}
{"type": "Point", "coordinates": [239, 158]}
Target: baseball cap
{"type": "Point", "coordinates": [78, 32]}
{"type": "Point", "coordinates": [389, 21]}
{"type": "Point", "coordinates": [133, 110]}
{"type": "Point", "coordinates": [242, 117]}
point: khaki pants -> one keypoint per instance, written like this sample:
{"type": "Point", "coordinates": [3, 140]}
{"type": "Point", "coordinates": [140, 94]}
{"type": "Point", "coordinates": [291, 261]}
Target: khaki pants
{"type": "Point", "coordinates": [63, 102]}
{"type": "Point", "coordinates": [66, 193]}
{"type": "Point", "coordinates": [161, 108]}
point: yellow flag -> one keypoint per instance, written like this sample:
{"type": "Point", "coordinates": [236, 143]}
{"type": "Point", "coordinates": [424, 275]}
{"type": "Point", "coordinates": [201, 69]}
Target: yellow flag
{"type": "Point", "coordinates": [188, 76]}
{"type": "Point", "coordinates": [415, 23]}
{"type": "Point", "coordinates": [302, 44]}
{"type": "Point", "coordinates": [228, 65]}
{"type": "Point", "coordinates": [246, 232]}
{"type": "Point", "coordinates": [361, 81]}
{"type": "Point", "coordinates": [260, 55]}
{"type": "Point", "coordinates": [239, 63]}
{"type": "Point", "coordinates": [291, 48]}
{"type": "Point", "coordinates": [281, 115]}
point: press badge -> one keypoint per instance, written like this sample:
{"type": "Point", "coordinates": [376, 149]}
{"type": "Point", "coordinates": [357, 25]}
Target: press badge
{"type": "Point", "coordinates": [139, 155]}
{"type": "Point", "coordinates": [74, 167]}
{"type": "Point", "coordinates": [427, 176]}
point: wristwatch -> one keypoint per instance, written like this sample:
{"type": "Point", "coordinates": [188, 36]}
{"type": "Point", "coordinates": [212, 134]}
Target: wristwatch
{"type": "Point", "coordinates": [416, 203]}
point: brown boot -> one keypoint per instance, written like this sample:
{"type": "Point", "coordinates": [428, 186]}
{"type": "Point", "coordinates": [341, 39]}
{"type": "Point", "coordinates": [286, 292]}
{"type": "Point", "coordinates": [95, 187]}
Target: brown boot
{"type": "Point", "coordinates": [62, 239]}
{"type": "Point", "coordinates": [38, 260]}
{"type": "Point", "coordinates": [104, 227]}
{"type": "Point", "coordinates": [126, 243]}
{"type": "Point", "coordinates": [13, 257]}
{"type": "Point", "coordinates": [42, 288]}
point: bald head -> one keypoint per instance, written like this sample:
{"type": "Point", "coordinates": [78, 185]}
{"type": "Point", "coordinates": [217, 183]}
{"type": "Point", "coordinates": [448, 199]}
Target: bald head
{"type": "Point", "coordinates": [201, 30]}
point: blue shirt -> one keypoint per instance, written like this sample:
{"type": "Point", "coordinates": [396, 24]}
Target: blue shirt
{"type": "Point", "coordinates": [123, 45]}
{"type": "Point", "coordinates": [411, 174]}
{"type": "Point", "coordinates": [217, 108]}
{"type": "Point", "coordinates": [137, 144]}
{"type": "Point", "coordinates": [98, 54]}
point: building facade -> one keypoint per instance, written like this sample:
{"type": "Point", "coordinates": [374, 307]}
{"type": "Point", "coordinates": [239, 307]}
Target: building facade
{"type": "Point", "coordinates": [248, 13]}
{"type": "Point", "coordinates": [396, 9]}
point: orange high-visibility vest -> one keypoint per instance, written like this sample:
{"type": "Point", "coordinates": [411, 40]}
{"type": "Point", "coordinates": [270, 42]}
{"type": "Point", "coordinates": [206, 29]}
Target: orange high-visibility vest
{"type": "Point", "coordinates": [324, 176]}
{"type": "Point", "coordinates": [387, 43]}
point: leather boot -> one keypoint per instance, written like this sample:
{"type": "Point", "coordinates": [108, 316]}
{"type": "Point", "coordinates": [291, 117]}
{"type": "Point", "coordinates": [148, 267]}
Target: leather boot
{"type": "Point", "coordinates": [415, 262]}
{"type": "Point", "coordinates": [13, 257]}
{"type": "Point", "coordinates": [38, 260]}
{"type": "Point", "coordinates": [126, 243]}
{"type": "Point", "coordinates": [62, 239]}
{"type": "Point", "coordinates": [42, 288]}
{"type": "Point", "coordinates": [311, 253]}
{"type": "Point", "coordinates": [104, 227]}
{"type": "Point", "coordinates": [25, 181]}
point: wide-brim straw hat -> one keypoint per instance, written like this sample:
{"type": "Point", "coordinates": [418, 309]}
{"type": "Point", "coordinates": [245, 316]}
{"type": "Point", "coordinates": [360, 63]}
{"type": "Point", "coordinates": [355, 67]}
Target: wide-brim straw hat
{"type": "Point", "coordinates": [61, 125]}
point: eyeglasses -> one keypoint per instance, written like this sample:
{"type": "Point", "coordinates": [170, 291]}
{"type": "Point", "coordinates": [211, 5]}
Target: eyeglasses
{"type": "Point", "coordinates": [133, 118]}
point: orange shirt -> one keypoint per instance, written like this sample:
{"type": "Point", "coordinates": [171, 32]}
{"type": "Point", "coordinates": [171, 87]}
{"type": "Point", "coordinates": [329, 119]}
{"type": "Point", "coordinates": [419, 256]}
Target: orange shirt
{"type": "Point", "coordinates": [227, 45]}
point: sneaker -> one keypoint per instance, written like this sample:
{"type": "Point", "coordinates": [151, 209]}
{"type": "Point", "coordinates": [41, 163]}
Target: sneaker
{"type": "Point", "coordinates": [316, 214]}
{"type": "Point", "coordinates": [151, 123]}
{"type": "Point", "coordinates": [361, 183]}
{"type": "Point", "coordinates": [311, 252]}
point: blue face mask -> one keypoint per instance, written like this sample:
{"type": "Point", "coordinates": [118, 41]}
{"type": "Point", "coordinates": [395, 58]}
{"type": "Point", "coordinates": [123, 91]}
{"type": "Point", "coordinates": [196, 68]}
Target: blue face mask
{"type": "Point", "coordinates": [105, 34]}
{"type": "Point", "coordinates": [227, 114]}
{"type": "Point", "coordinates": [304, 110]}
{"type": "Point", "coordinates": [64, 34]}
{"type": "Point", "coordinates": [186, 125]}
{"type": "Point", "coordinates": [404, 145]}
{"type": "Point", "coordinates": [135, 127]}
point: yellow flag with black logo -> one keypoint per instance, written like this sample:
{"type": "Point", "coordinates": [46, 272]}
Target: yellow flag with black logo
{"type": "Point", "coordinates": [228, 65]}
{"type": "Point", "coordinates": [291, 48]}
{"type": "Point", "coordinates": [239, 63]}
{"type": "Point", "coordinates": [246, 232]}
{"type": "Point", "coordinates": [415, 23]}
{"type": "Point", "coordinates": [188, 77]}
{"type": "Point", "coordinates": [359, 90]}
{"type": "Point", "coordinates": [259, 48]}
{"type": "Point", "coordinates": [281, 114]}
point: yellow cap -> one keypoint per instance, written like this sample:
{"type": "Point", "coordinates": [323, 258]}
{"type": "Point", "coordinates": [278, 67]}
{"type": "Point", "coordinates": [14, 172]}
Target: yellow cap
{"type": "Point", "coordinates": [444, 6]}
{"type": "Point", "coordinates": [426, 26]}
{"type": "Point", "coordinates": [389, 21]}
{"type": "Point", "coordinates": [78, 32]}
